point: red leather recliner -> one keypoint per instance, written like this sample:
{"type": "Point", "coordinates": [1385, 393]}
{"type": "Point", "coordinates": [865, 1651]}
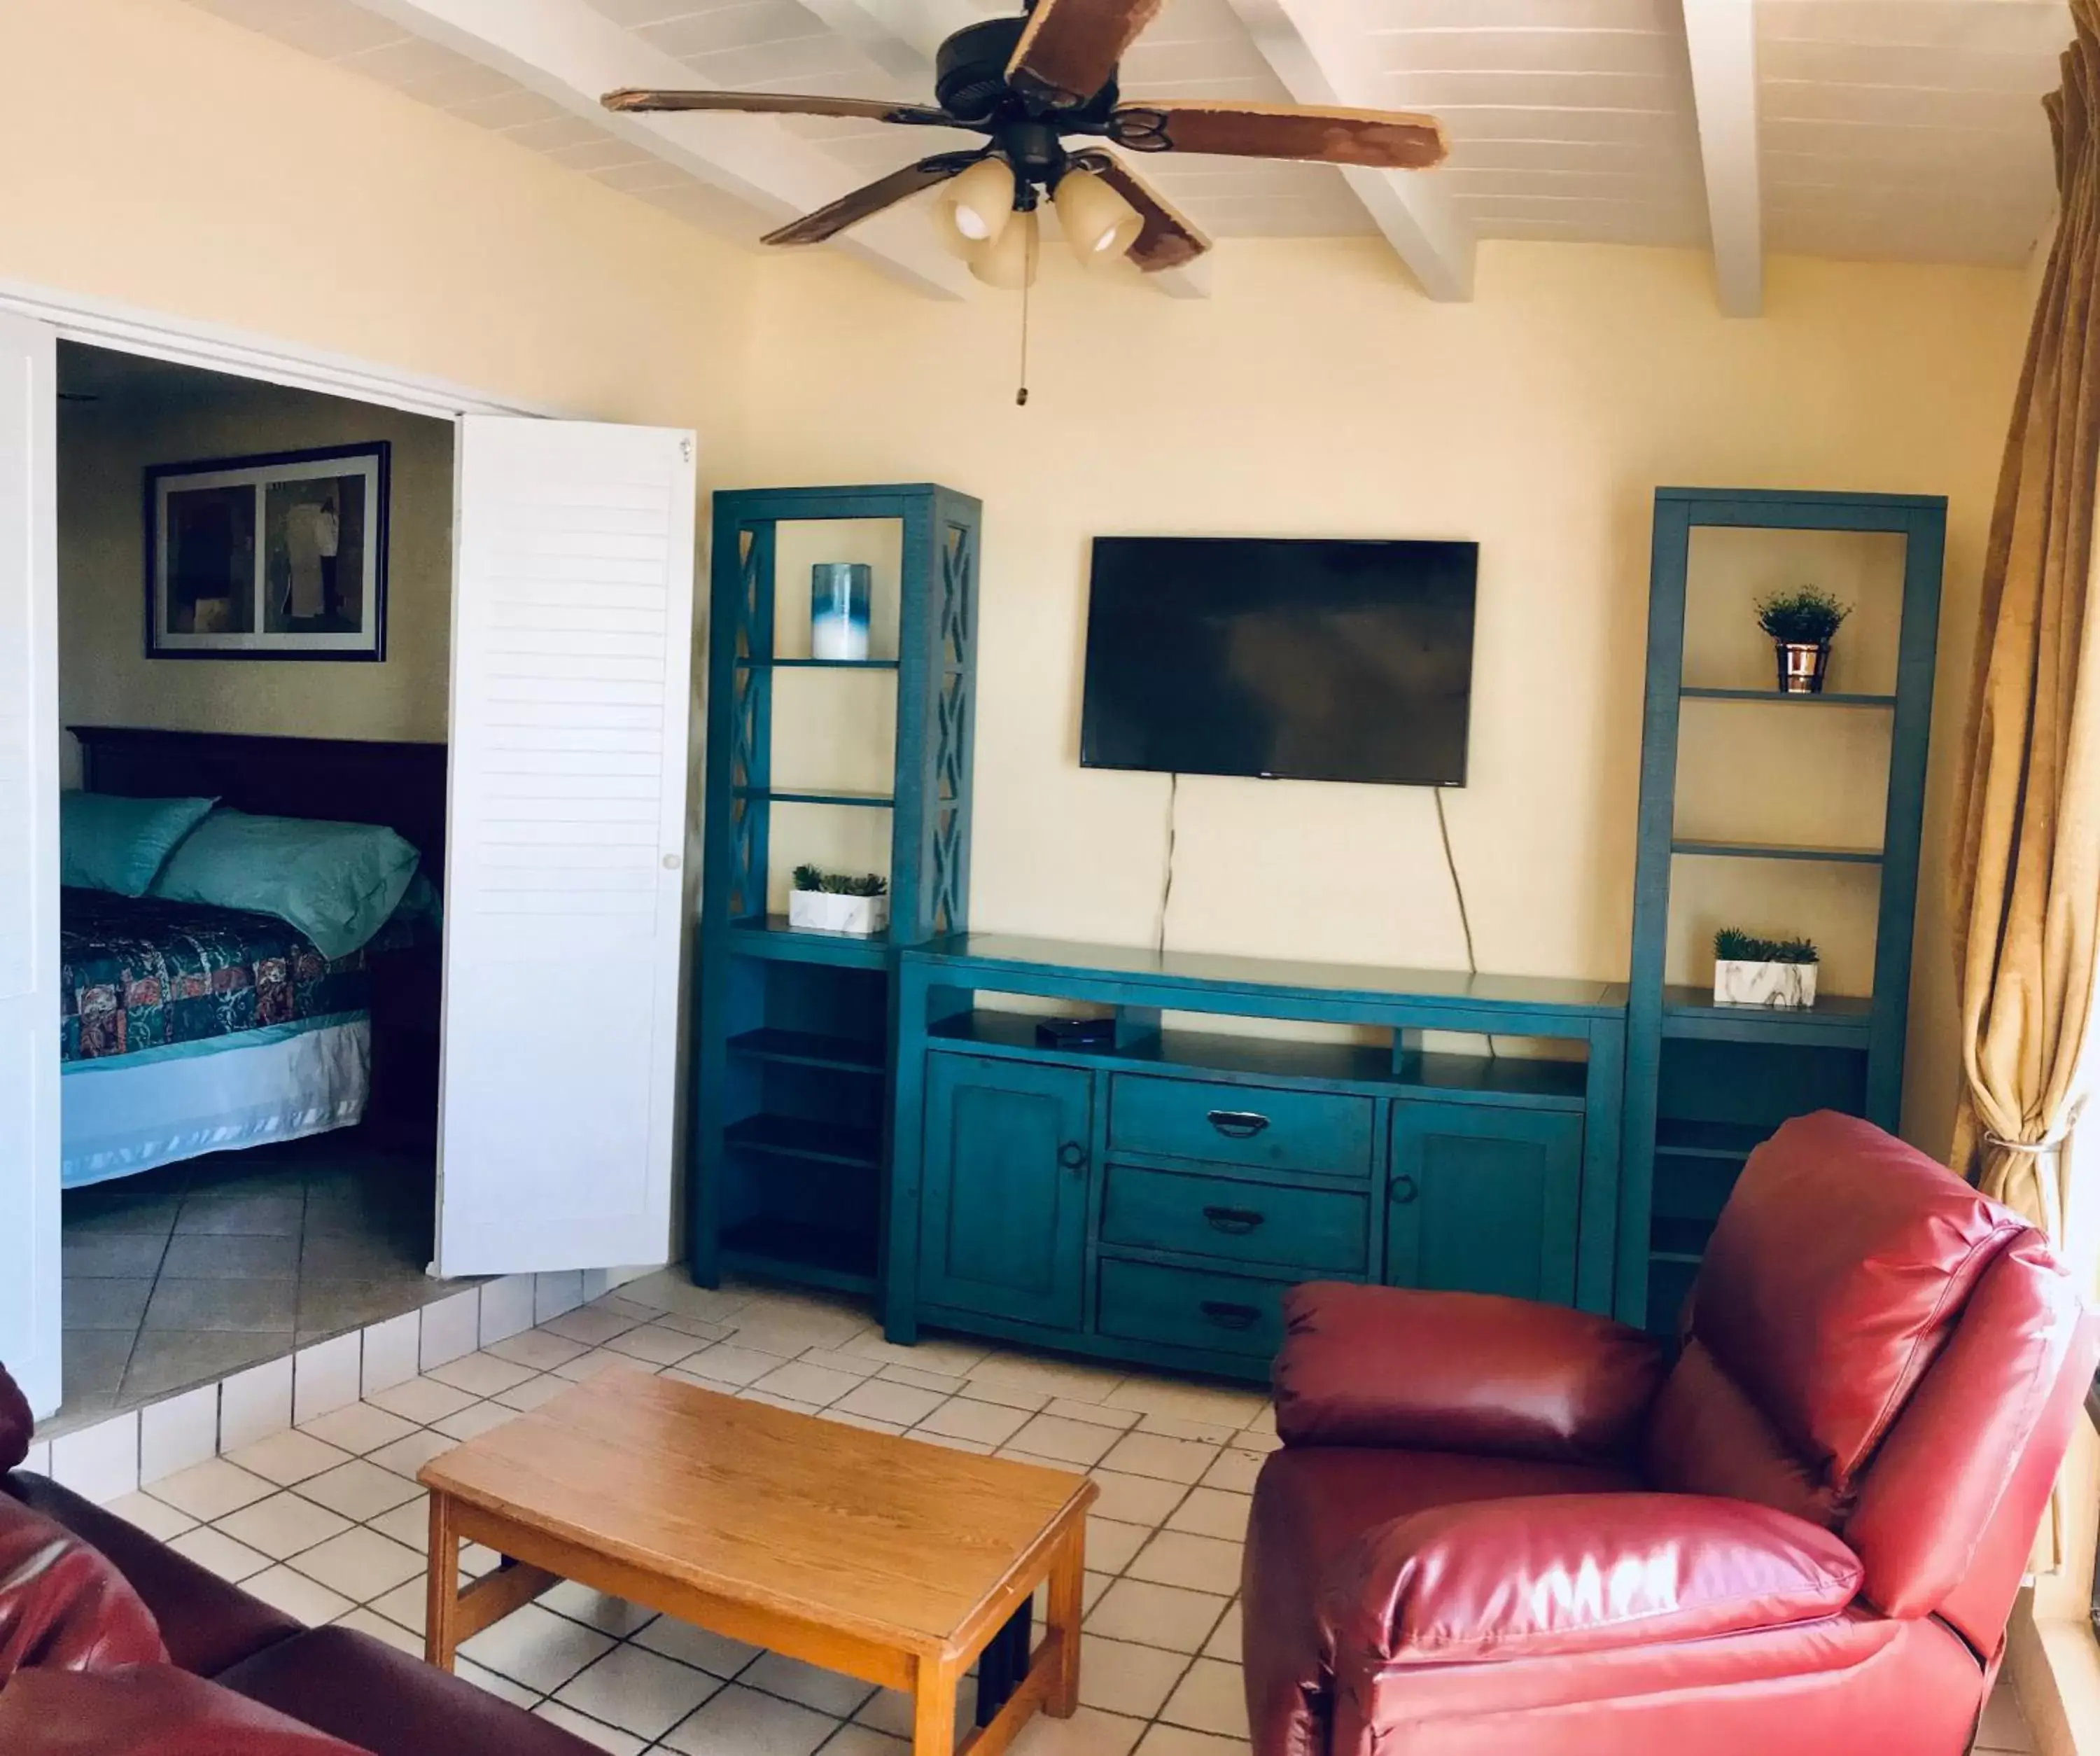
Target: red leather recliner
{"type": "Point", "coordinates": [1498, 1527]}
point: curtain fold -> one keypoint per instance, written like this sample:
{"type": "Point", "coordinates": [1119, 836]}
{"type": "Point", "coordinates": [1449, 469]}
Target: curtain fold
{"type": "Point", "coordinates": [2026, 872]}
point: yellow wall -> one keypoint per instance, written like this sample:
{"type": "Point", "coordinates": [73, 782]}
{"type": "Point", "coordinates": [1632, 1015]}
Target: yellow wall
{"type": "Point", "coordinates": [104, 678]}
{"type": "Point", "coordinates": [1317, 392]}
{"type": "Point", "coordinates": [164, 158]}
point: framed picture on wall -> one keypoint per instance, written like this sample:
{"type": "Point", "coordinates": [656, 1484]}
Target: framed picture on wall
{"type": "Point", "coordinates": [276, 557]}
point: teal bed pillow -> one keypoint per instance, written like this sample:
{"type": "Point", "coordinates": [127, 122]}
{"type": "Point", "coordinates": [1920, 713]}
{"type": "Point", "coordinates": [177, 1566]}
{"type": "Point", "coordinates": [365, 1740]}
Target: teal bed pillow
{"type": "Point", "coordinates": [336, 882]}
{"type": "Point", "coordinates": [109, 842]}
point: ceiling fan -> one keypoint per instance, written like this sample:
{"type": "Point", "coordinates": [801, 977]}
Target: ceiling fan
{"type": "Point", "coordinates": [1029, 83]}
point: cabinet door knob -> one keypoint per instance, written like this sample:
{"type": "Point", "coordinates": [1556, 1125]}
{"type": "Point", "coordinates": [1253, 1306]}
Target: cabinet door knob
{"type": "Point", "coordinates": [1072, 1155]}
{"type": "Point", "coordinates": [1227, 1315]}
{"type": "Point", "coordinates": [1403, 1189]}
{"type": "Point", "coordinates": [1238, 1124]}
{"type": "Point", "coordinates": [1236, 1220]}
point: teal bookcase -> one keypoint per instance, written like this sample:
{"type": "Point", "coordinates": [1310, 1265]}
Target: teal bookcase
{"type": "Point", "coordinates": [793, 1054]}
{"type": "Point", "coordinates": [1731, 771]}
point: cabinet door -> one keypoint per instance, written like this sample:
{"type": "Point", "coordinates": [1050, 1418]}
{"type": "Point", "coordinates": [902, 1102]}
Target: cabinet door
{"type": "Point", "coordinates": [1002, 1223]}
{"type": "Point", "coordinates": [1483, 1199]}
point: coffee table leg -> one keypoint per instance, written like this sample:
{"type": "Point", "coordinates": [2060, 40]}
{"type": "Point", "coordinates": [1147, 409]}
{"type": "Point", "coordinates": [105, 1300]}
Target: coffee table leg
{"type": "Point", "coordinates": [1068, 1579]}
{"type": "Point", "coordinates": [441, 1609]}
{"type": "Point", "coordinates": [933, 1709]}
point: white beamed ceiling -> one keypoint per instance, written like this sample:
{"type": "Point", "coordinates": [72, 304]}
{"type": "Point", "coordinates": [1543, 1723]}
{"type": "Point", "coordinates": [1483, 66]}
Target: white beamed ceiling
{"type": "Point", "coordinates": [1902, 129]}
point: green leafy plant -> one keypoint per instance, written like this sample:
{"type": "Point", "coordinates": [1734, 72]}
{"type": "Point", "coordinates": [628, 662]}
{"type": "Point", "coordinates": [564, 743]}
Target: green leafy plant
{"type": "Point", "coordinates": [1807, 617]}
{"type": "Point", "coordinates": [839, 884]}
{"type": "Point", "coordinates": [1731, 945]}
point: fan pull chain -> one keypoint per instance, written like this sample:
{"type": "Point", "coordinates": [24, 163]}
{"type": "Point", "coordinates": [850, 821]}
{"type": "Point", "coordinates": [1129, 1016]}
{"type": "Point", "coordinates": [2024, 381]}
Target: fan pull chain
{"type": "Point", "coordinates": [1020, 395]}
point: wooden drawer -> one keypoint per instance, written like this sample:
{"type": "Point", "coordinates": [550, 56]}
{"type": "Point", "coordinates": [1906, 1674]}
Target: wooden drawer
{"type": "Point", "coordinates": [1191, 1308]}
{"type": "Point", "coordinates": [1271, 1127]}
{"type": "Point", "coordinates": [1296, 1228]}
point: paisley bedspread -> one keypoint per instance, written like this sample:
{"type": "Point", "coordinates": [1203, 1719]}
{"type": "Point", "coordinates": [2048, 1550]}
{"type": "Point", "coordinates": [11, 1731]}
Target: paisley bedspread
{"type": "Point", "coordinates": [140, 973]}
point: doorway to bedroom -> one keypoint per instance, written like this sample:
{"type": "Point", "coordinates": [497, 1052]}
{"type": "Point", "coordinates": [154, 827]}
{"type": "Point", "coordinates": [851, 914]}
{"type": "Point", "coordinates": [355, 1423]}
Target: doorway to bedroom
{"type": "Point", "coordinates": [254, 632]}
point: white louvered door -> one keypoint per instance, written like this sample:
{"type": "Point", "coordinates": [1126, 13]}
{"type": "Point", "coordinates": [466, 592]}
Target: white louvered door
{"type": "Point", "coordinates": [572, 620]}
{"type": "Point", "coordinates": [28, 861]}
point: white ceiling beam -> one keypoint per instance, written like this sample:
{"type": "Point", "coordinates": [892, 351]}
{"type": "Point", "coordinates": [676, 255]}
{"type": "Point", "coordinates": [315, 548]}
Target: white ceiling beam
{"type": "Point", "coordinates": [1318, 55]}
{"type": "Point", "coordinates": [572, 54]}
{"type": "Point", "coordinates": [1722, 37]}
{"type": "Point", "coordinates": [901, 37]}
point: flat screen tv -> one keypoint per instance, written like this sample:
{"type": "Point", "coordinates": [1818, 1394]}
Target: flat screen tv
{"type": "Point", "coordinates": [1285, 659]}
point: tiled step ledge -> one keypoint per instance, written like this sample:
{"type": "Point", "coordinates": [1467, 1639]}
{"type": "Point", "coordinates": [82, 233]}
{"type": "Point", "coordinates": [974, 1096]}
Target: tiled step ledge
{"type": "Point", "coordinates": [118, 1456]}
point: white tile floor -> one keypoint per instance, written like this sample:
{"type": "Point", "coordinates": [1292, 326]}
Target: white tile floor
{"type": "Point", "coordinates": [325, 1521]}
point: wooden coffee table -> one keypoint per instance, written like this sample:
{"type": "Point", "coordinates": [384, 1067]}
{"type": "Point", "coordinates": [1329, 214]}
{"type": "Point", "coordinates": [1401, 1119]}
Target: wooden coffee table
{"type": "Point", "coordinates": [895, 1561]}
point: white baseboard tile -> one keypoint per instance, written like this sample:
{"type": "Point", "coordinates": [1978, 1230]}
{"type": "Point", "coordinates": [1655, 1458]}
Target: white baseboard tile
{"type": "Point", "coordinates": [393, 1351]}
{"type": "Point", "coordinates": [327, 1377]}
{"type": "Point", "coordinates": [99, 1462]}
{"type": "Point", "coordinates": [616, 1278]}
{"type": "Point", "coordinates": [506, 1307]}
{"type": "Point", "coordinates": [451, 1327]}
{"type": "Point", "coordinates": [553, 1294]}
{"type": "Point", "coordinates": [178, 1434]}
{"type": "Point", "coordinates": [254, 1404]}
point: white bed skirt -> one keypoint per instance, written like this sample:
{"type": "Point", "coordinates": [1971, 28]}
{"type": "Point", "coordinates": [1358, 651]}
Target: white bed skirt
{"type": "Point", "coordinates": [131, 1114]}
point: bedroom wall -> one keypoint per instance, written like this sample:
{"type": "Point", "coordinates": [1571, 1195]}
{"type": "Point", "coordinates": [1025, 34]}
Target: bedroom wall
{"type": "Point", "coordinates": [1318, 392]}
{"type": "Point", "coordinates": [105, 677]}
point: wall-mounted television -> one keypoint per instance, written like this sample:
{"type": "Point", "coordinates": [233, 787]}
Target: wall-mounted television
{"type": "Point", "coordinates": [1287, 659]}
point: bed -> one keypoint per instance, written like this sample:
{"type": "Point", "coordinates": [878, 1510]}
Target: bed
{"type": "Point", "coordinates": [190, 1029]}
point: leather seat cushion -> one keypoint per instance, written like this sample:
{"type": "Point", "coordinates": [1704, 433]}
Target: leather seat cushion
{"type": "Point", "coordinates": [1310, 1507]}
{"type": "Point", "coordinates": [364, 1692]}
{"type": "Point", "coordinates": [146, 1710]}
{"type": "Point", "coordinates": [206, 1623]}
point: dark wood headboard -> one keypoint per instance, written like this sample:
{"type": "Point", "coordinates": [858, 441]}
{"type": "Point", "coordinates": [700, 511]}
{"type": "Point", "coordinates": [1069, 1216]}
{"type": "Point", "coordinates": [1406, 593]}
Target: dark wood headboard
{"type": "Point", "coordinates": [349, 780]}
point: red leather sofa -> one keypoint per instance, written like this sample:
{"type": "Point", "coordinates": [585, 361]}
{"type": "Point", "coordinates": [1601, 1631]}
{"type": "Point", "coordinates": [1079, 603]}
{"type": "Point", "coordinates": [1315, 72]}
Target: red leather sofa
{"type": "Point", "coordinates": [1499, 1527]}
{"type": "Point", "coordinates": [107, 1639]}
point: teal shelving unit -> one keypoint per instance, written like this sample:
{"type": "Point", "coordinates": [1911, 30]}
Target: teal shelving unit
{"type": "Point", "coordinates": [793, 1050]}
{"type": "Point", "coordinates": [1705, 1083]}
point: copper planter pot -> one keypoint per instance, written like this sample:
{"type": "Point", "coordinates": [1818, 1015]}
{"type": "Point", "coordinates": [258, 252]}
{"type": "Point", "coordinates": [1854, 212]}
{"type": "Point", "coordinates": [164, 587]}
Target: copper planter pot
{"type": "Point", "coordinates": [1802, 665]}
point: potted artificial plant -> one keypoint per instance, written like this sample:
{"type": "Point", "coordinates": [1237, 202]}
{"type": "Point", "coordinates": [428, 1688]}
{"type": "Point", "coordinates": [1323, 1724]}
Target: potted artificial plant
{"type": "Point", "coordinates": [838, 902]}
{"type": "Point", "coordinates": [1801, 624]}
{"type": "Point", "coordinates": [1750, 971]}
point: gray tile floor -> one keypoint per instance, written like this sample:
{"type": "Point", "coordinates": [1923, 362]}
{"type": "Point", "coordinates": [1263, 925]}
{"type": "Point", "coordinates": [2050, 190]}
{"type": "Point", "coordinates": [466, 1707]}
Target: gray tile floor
{"type": "Point", "coordinates": [185, 1274]}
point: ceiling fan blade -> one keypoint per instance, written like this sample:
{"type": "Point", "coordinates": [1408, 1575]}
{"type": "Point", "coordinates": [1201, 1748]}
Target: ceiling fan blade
{"type": "Point", "coordinates": [1168, 240]}
{"type": "Point", "coordinates": [829, 221]}
{"type": "Point", "coordinates": [1383, 139]}
{"type": "Point", "coordinates": [783, 103]}
{"type": "Point", "coordinates": [1070, 47]}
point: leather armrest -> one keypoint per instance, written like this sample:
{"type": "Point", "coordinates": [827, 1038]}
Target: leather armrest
{"type": "Point", "coordinates": [1558, 1574]}
{"type": "Point", "coordinates": [147, 1710]}
{"type": "Point", "coordinates": [1383, 1365]}
{"type": "Point", "coordinates": [62, 1605]}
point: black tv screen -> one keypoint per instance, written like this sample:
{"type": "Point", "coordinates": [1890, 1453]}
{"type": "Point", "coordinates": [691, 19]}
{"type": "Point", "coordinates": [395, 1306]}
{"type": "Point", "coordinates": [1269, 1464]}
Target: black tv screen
{"type": "Point", "coordinates": [1285, 659]}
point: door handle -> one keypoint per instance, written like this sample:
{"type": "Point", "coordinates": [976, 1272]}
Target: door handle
{"type": "Point", "coordinates": [1073, 1156]}
{"type": "Point", "coordinates": [1403, 1189]}
{"type": "Point", "coordinates": [1238, 1221]}
{"type": "Point", "coordinates": [1227, 1315]}
{"type": "Point", "coordinates": [1238, 1124]}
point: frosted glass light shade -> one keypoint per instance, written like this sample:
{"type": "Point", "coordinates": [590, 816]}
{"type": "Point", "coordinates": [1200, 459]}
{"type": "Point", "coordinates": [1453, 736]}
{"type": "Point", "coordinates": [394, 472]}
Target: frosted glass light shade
{"type": "Point", "coordinates": [1098, 223]}
{"type": "Point", "coordinates": [974, 208]}
{"type": "Point", "coordinates": [1008, 262]}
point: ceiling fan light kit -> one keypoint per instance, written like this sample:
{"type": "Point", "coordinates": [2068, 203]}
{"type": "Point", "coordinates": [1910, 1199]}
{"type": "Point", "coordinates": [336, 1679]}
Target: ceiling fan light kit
{"type": "Point", "coordinates": [1009, 261]}
{"type": "Point", "coordinates": [1028, 83]}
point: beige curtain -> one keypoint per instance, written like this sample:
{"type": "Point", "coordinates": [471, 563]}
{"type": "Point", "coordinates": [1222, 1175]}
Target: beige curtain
{"type": "Point", "coordinates": [2026, 874]}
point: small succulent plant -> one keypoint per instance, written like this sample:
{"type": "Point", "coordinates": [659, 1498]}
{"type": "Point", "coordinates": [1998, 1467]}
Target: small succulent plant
{"type": "Point", "coordinates": [1731, 945]}
{"type": "Point", "coordinates": [839, 884]}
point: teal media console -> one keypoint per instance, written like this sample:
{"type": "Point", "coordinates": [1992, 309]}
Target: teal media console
{"type": "Point", "coordinates": [1151, 1200]}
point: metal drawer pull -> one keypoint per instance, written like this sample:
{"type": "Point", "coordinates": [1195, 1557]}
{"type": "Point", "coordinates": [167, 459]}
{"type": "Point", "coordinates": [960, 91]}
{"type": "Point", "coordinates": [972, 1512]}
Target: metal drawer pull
{"type": "Point", "coordinates": [1238, 1124]}
{"type": "Point", "coordinates": [1072, 1155]}
{"type": "Point", "coordinates": [1403, 1189]}
{"type": "Point", "coordinates": [1237, 1220]}
{"type": "Point", "coordinates": [1228, 1316]}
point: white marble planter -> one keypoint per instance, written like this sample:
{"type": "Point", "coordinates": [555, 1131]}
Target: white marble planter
{"type": "Point", "coordinates": [1761, 984]}
{"type": "Point", "coordinates": [829, 913]}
